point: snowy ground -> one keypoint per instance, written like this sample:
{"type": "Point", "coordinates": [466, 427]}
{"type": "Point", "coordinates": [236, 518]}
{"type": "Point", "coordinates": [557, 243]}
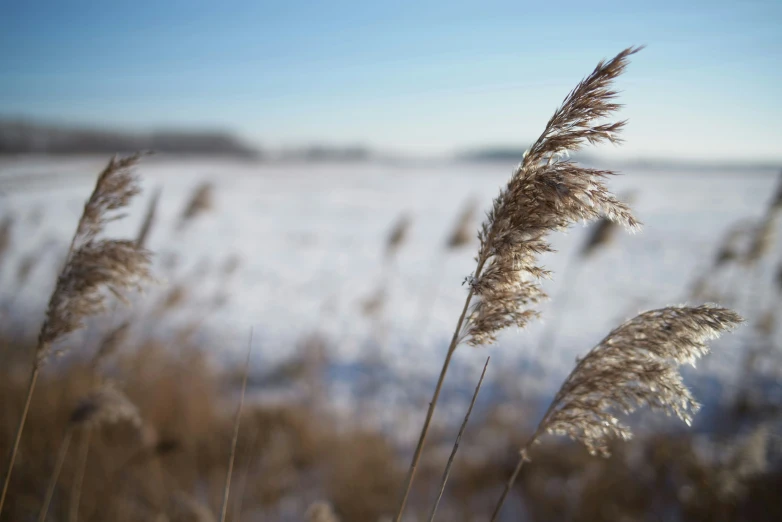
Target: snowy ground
{"type": "Point", "coordinates": [310, 240]}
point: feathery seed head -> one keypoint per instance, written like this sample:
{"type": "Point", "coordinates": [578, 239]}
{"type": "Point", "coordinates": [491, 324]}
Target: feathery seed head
{"type": "Point", "coordinates": [111, 343]}
{"type": "Point", "coordinates": [5, 234]}
{"type": "Point", "coordinates": [149, 220]}
{"type": "Point", "coordinates": [602, 232]}
{"type": "Point", "coordinates": [398, 235]}
{"type": "Point", "coordinates": [201, 201]}
{"type": "Point", "coordinates": [546, 193]}
{"type": "Point", "coordinates": [762, 240]}
{"type": "Point", "coordinates": [730, 248]}
{"type": "Point", "coordinates": [105, 405]}
{"type": "Point", "coordinates": [775, 205]}
{"type": "Point", "coordinates": [635, 365]}
{"type": "Point", "coordinates": [94, 265]}
{"type": "Point", "coordinates": [462, 233]}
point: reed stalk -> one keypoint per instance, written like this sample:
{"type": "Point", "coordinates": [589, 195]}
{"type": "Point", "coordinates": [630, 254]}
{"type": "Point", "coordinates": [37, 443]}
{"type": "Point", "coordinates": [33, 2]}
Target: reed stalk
{"type": "Point", "coordinates": [546, 193]}
{"type": "Point", "coordinates": [235, 437]}
{"type": "Point", "coordinates": [92, 265]}
{"type": "Point", "coordinates": [451, 458]}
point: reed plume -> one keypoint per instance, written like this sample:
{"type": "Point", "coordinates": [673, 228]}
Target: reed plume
{"type": "Point", "coordinates": [763, 237]}
{"type": "Point", "coordinates": [463, 232]}
{"type": "Point", "coordinates": [6, 225]}
{"type": "Point", "coordinates": [109, 344]}
{"type": "Point", "coordinates": [149, 219]}
{"type": "Point", "coordinates": [602, 232]}
{"type": "Point", "coordinates": [762, 240]}
{"type": "Point", "coordinates": [636, 365]}
{"type": "Point", "coordinates": [92, 266]}
{"type": "Point", "coordinates": [201, 201]}
{"type": "Point", "coordinates": [460, 236]}
{"type": "Point", "coordinates": [546, 193]}
{"type": "Point", "coordinates": [398, 235]}
{"type": "Point", "coordinates": [105, 405]}
{"type": "Point", "coordinates": [730, 250]}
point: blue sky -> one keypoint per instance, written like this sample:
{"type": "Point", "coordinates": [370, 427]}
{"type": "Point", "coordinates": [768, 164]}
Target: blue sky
{"type": "Point", "coordinates": [418, 77]}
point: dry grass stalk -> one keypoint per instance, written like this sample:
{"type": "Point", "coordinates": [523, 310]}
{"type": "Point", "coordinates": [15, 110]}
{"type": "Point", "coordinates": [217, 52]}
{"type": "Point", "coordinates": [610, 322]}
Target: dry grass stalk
{"type": "Point", "coordinates": [235, 438]}
{"type": "Point", "coordinates": [105, 405]}
{"type": "Point", "coordinates": [6, 225]}
{"type": "Point", "coordinates": [61, 453]}
{"type": "Point", "coordinates": [25, 268]}
{"type": "Point", "coordinates": [398, 235]}
{"type": "Point", "coordinates": [763, 237]}
{"type": "Point", "coordinates": [762, 240]}
{"type": "Point", "coordinates": [201, 201]}
{"type": "Point", "coordinates": [78, 481]}
{"type": "Point", "coordinates": [110, 344]}
{"type": "Point", "coordinates": [373, 305]}
{"type": "Point", "coordinates": [636, 365]}
{"type": "Point", "coordinates": [775, 205]}
{"type": "Point", "coordinates": [546, 193]}
{"type": "Point", "coordinates": [451, 458]}
{"type": "Point", "coordinates": [463, 232]}
{"type": "Point", "coordinates": [602, 233]}
{"type": "Point", "coordinates": [730, 250]}
{"type": "Point", "coordinates": [767, 322]}
{"type": "Point", "coordinates": [149, 219]}
{"type": "Point", "coordinates": [92, 266]}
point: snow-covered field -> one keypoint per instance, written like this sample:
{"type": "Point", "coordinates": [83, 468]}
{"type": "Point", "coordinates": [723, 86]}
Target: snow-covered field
{"type": "Point", "coordinates": [310, 240]}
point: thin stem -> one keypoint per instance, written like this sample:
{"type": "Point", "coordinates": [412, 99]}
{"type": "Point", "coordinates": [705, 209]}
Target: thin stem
{"type": "Point", "coordinates": [237, 419]}
{"type": "Point", "coordinates": [61, 453]}
{"type": "Point", "coordinates": [78, 481]}
{"type": "Point", "coordinates": [508, 485]}
{"type": "Point", "coordinates": [239, 501]}
{"type": "Point", "coordinates": [425, 429]}
{"type": "Point", "coordinates": [19, 429]}
{"type": "Point", "coordinates": [530, 442]}
{"type": "Point", "coordinates": [448, 466]}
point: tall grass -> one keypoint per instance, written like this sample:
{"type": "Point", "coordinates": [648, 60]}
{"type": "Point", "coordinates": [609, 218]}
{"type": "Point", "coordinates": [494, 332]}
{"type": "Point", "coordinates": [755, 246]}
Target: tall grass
{"type": "Point", "coordinates": [92, 266]}
{"type": "Point", "coordinates": [546, 193]}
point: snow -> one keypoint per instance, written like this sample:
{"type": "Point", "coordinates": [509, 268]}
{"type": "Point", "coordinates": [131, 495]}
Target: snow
{"type": "Point", "coordinates": [310, 240]}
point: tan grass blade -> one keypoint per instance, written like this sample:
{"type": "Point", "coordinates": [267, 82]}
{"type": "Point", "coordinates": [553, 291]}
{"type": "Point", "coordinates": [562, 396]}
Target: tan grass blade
{"type": "Point", "coordinates": [61, 453]}
{"type": "Point", "coordinates": [78, 481]}
{"type": "Point", "coordinates": [149, 219]}
{"type": "Point", "coordinates": [235, 438]}
{"type": "Point", "coordinates": [451, 458]}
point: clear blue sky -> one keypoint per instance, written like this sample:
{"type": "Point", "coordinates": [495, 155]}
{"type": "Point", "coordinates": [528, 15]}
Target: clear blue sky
{"type": "Point", "coordinates": [419, 77]}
